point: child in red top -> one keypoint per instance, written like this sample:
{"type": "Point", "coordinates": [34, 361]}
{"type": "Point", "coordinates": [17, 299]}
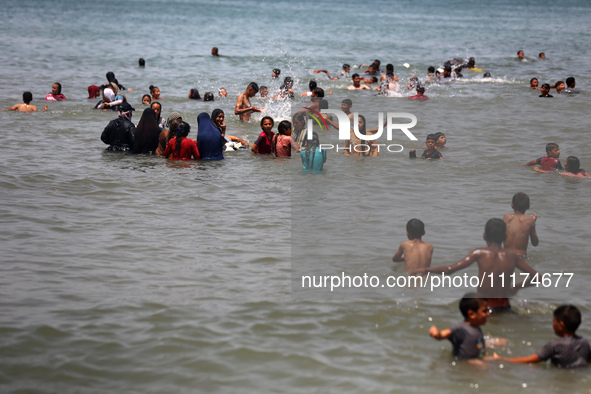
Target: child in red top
{"type": "Point", "coordinates": [264, 144]}
{"type": "Point", "coordinates": [180, 147]}
{"type": "Point", "coordinates": [56, 93]}
{"type": "Point", "coordinates": [550, 161]}
{"type": "Point", "coordinates": [282, 142]}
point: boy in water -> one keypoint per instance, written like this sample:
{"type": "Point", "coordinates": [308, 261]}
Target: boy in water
{"type": "Point", "coordinates": [570, 86]}
{"type": "Point", "coordinates": [430, 152]}
{"type": "Point", "coordinates": [415, 252]}
{"type": "Point", "coordinates": [243, 108]}
{"type": "Point", "coordinates": [346, 106]}
{"type": "Point", "coordinates": [357, 84]}
{"type": "Point", "coordinates": [520, 227]}
{"type": "Point", "coordinates": [545, 90]}
{"type": "Point", "coordinates": [497, 263]}
{"type": "Point", "coordinates": [568, 351]}
{"type": "Point", "coordinates": [420, 94]}
{"type": "Point", "coordinates": [466, 337]}
{"type": "Point", "coordinates": [26, 107]}
{"type": "Point", "coordinates": [550, 161]}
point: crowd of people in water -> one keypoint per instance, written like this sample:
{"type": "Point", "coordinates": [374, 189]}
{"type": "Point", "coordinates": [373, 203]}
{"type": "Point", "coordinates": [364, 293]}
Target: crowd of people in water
{"type": "Point", "coordinates": [507, 239]}
{"type": "Point", "coordinates": [157, 135]}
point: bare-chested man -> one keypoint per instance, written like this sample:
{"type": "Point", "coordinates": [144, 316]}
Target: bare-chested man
{"type": "Point", "coordinates": [26, 107]}
{"type": "Point", "coordinates": [495, 267]}
{"type": "Point", "coordinates": [520, 227]}
{"type": "Point", "coordinates": [415, 252]}
{"type": "Point", "coordinates": [243, 108]}
{"type": "Point", "coordinates": [357, 84]}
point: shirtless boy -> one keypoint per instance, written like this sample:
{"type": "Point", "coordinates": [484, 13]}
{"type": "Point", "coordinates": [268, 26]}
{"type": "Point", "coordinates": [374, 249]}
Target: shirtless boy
{"type": "Point", "coordinates": [26, 107]}
{"type": "Point", "coordinates": [520, 227]}
{"type": "Point", "coordinates": [415, 252]}
{"type": "Point", "coordinates": [243, 108]}
{"type": "Point", "coordinates": [497, 263]}
{"type": "Point", "coordinates": [357, 84]}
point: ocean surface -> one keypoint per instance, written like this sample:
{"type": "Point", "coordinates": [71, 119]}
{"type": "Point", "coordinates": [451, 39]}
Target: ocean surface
{"type": "Point", "coordinates": [135, 274]}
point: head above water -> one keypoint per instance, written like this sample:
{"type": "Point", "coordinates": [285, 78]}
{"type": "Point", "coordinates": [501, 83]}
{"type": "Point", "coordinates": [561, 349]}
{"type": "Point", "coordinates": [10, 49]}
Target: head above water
{"type": "Point", "coordinates": [146, 99]}
{"type": "Point", "coordinates": [572, 164]}
{"type": "Point", "coordinates": [570, 82]}
{"type": "Point", "coordinates": [569, 316]}
{"type": "Point", "coordinates": [27, 97]}
{"type": "Point", "coordinates": [208, 96]}
{"type": "Point", "coordinates": [142, 62]}
{"type": "Point", "coordinates": [214, 51]}
{"type": "Point", "coordinates": [415, 228]}
{"type": "Point", "coordinates": [495, 231]}
{"type": "Point", "coordinates": [551, 146]}
{"type": "Point", "coordinates": [56, 88]}
{"type": "Point", "coordinates": [471, 302]}
{"type": "Point", "coordinates": [194, 94]}
{"type": "Point", "coordinates": [276, 73]}
{"type": "Point", "coordinates": [520, 202]}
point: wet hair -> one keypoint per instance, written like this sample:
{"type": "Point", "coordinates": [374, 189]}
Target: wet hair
{"type": "Point", "coordinates": [551, 146]}
{"type": "Point", "coordinates": [59, 87]}
{"type": "Point", "coordinates": [431, 69]}
{"type": "Point", "coordinates": [287, 80]}
{"type": "Point", "coordinates": [376, 63]}
{"type": "Point", "coordinates": [263, 87]}
{"type": "Point", "coordinates": [363, 129]}
{"type": "Point", "coordinates": [546, 86]}
{"type": "Point", "coordinates": [389, 68]}
{"type": "Point", "coordinates": [111, 76]}
{"type": "Point", "coordinates": [299, 116]}
{"type": "Point", "coordinates": [348, 102]}
{"type": "Point", "coordinates": [156, 103]}
{"type": "Point", "coordinates": [346, 66]}
{"type": "Point", "coordinates": [180, 132]}
{"type": "Point", "coordinates": [558, 83]}
{"type": "Point", "coordinates": [570, 81]}
{"type": "Point", "coordinates": [486, 75]}
{"type": "Point", "coordinates": [323, 104]}
{"type": "Point", "coordinates": [148, 96]}
{"type": "Point", "coordinates": [265, 118]}
{"type": "Point", "coordinates": [520, 202]}
{"type": "Point", "coordinates": [496, 231]}
{"type": "Point", "coordinates": [284, 125]}
{"type": "Point", "coordinates": [277, 71]}
{"type": "Point", "coordinates": [214, 51]}
{"type": "Point", "coordinates": [354, 76]}
{"type": "Point", "coordinates": [447, 68]}
{"type": "Point", "coordinates": [532, 80]}
{"type": "Point", "coordinates": [420, 89]}
{"type": "Point", "coordinates": [415, 227]}
{"type": "Point", "coordinates": [541, 53]}
{"type": "Point", "coordinates": [573, 164]}
{"type": "Point", "coordinates": [152, 88]}
{"type": "Point", "coordinates": [142, 62]}
{"type": "Point", "coordinates": [373, 79]}
{"type": "Point", "coordinates": [471, 62]}
{"type": "Point", "coordinates": [311, 145]}
{"type": "Point", "coordinates": [319, 92]}
{"type": "Point", "coordinates": [521, 50]}
{"type": "Point", "coordinates": [254, 86]}
{"type": "Point", "coordinates": [430, 137]}
{"type": "Point", "coordinates": [194, 94]}
{"type": "Point", "coordinates": [471, 302]}
{"type": "Point", "coordinates": [208, 96]}
{"type": "Point", "coordinates": [569, 315]}
{"type": "Point", "coordinates": [27, 97]}
{"type": "Point", "coordinates": [214, 114]}
{"type": "Point", "coordinates": [312, 85]}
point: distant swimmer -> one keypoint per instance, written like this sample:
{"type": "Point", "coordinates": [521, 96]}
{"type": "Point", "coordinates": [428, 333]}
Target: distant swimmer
{"type": "Point", "coordinates": [311, 86]}
{"type": "Point", "coordinates": [142, 62]}
{"type": "Point", "coordinates": [533, 84]}
{"type": "Point", "coordinates": [243, 107]}
{"type": "Point", "coordinates": [549, 162]}
{"type": "Point", "coordinates": [56, 93]}
{"type": "Point", "coordinates": [264, 92]}
{"type": "Point", "coordinates": [520, 55]}
{"type": "Point", "coordinates": [572, 167]}
{"type": "Point", "coordinates": [357, 83]}
{"type": "Point", "coordinates": [26, 107]}
{"type": "Point", "coordinates": [155, 92]}
{"type": "Point", "coordinates": [420, 94]}
{"type": "Point", "coordinates": [446, 75]}
{"type": "Point", "coordinates": [545, 89]}
{"type": "Point", "coordinates": [430, 153]}
{"type": "Point", "coordinates": [285, 90]}
{"type": "Point", "coordinates": [222, 92]}
{"type": "Point", "coordinates": [275, 73]}
{"type": "Point", "coordinates": [415, 252]}
{"type": "Point", "coordinates": [215, 52]}
{"type": "Point", "coordinates": [559, 85]}
{"type": "Point", "coordinates": [146, 99]}
{"type": "Point", "coordinates": [570, 86]}
{"type": "Point", "coordinates": [194, 94]}
{"type": "Point", "coordinates": [542, 55]}
{"type": "Point", "coordinates": [344, 73]}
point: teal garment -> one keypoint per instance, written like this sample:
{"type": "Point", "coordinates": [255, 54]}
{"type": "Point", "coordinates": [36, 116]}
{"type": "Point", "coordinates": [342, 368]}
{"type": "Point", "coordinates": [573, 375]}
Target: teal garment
{"type": "Point", "coordinates": [316, 160]}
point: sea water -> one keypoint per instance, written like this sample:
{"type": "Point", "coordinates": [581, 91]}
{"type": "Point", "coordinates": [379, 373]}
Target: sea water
{"type": "Point", "coordinates": [136, 274]}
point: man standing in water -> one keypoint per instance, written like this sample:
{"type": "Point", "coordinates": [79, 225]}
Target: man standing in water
{"type": "Point", "coordinates": [26, 107]}
{"type": "Point", "coordinates": [243, 108]}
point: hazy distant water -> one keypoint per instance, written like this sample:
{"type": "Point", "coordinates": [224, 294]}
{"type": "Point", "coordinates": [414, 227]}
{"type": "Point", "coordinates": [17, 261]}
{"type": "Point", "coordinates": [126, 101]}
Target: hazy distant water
{"type": "Point", "coordinates": [135, 274]}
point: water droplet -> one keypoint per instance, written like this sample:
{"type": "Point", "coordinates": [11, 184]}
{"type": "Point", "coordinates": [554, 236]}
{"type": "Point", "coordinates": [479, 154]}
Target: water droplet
{"type": "Point", "coordinates": [524, 385]}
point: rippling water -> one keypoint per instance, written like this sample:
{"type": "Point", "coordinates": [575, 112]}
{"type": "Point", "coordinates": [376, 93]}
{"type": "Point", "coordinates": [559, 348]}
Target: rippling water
{"type": "Point", "coordinates": [136, 274]}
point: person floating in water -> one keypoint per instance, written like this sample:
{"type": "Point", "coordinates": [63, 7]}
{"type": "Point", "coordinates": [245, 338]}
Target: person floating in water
{"type": "Point", "coordinates": [533, 84]}
{"type": "Point", "coordinates": [215, 52]}
{"type": "Point", "coordinates": [520, 55]}
{"type": "Point", "coordinates": [549, 162]}
{"type": "Point", "coordinates": [26, 107]}
{"type": "Point", "coordinates": [243, 107]}
{"type": "Point", "coordinates": [56, 93]}
{"type": "Point", "coordinates": [572, 167]}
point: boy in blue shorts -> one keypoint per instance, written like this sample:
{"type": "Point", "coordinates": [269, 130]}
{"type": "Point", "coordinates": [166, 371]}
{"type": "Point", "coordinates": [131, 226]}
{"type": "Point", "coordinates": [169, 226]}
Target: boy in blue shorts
{"type": "Point", "coordinates": [568, 351]}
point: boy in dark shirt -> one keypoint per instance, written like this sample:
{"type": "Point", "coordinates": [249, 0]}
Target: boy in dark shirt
{"type": "Point", "coordinates": [550, 161]}
{"type": "Point", "coordinates": [568, 351]}
{"type": "Point", "coordinates": [467, 337]}
{"type": "Point", "coordinates": [430, 152]}
{"type": "Point", "coordinates": [545, 89]}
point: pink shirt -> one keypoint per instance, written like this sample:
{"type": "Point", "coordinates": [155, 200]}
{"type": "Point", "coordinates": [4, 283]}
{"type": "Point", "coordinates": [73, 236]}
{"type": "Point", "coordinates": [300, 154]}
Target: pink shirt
{"type": "Point", "coordinates": [283, 146]}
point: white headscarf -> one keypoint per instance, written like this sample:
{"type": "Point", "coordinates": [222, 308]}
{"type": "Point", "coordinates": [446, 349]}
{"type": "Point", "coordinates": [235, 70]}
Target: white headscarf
{"type": "Point", "coordinates": [109, 95]}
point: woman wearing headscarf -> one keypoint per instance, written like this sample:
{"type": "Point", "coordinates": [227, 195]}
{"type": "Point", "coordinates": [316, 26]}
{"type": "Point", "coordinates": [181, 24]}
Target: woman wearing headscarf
{"type": "Point", "coordinates": [119, 133]}
{"type": "Point", "coordinates": [146, 133]}
{"type": "Point", "coordinates": [210, 141]}
{"type": "Point", "coordinates": [217, 117]}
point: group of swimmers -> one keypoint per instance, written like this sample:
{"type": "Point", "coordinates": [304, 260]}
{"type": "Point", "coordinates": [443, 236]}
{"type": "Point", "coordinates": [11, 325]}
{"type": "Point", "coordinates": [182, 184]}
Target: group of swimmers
{"type": "Point", "coordinates": [506, 240]}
